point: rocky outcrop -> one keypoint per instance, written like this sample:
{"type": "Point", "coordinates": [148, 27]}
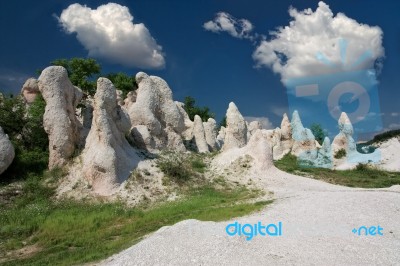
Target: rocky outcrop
{"type": "Point", "coordinates": [7, 152]}
{"type": "Point", "coordinates": [120, 98]}
{"type": "Point", "coordinates": [187, 133]}
{"type": "Point", "coordinates": [257, 148]}
{"type": "Point", "coordinates": [130, 99]}
{"type": "Point", "coordinates": [236, 129]}
{"type": "Point", "coordinates": [303, 139]}
{"type": "Point", "coordinates": [252, 127]}
{"type": "Point", "coordinates": [210, 130]}
{"type": "Point", "coordinates": [30, 90]}
{"type": "Point", "coordinates": [155, 109]}
{"type": "Point", "coordinates": [344, 139]}
{"type": "Point", "coordinates": [324, 157]}
{"type": "Point", "coordinates": [199, 135]}
{"type": "Point", "coordinates": [221, 137]}
{"type": "Point", "coordinates": [108, 159]}
{"type": "Point", "coordinates": [59, 120]}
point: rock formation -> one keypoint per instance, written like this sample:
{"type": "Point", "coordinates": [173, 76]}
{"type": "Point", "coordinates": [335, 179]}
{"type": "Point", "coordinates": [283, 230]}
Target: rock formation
{"type": "Point", "coordinates": [199, 135]}
{"type": "Point", "coordinates": [30, 90]}
{"type": "Point", "coordinates": [155, 109]}
{"type": "Point", "coordinates": [187, 133]}
{"type": "Point", "coordinates": [7, 152]}
{"type": "Point", "coordinates": [59, 118]}
{"type": "Point", "coordinates": [236, 129]}
{"type": "Point", "coordinates": [210, 128]}
{"type": "Point", "coordinates": [324, 157]}
{"type": "Point", "coordinates": [108, 158]}
{"type": "Point", "coordinates": [221, 137]}
{"type": "Point", "coordinates": [120, 99]}
{"type": "Point", "coordinates": [130, 99]}
{"type": "Point", "coordinates": [303, 139]}
{"type": "Point", "coordinates": [344, 139]}
{"type": "Point", "coordinates": [253, 127]}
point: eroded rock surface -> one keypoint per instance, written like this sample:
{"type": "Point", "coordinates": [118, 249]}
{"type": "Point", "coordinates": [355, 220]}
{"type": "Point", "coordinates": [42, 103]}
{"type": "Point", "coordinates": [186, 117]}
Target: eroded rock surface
{"type": "Point", "coordinates": [108, 159]}
{"type": "Point", "coordinates": [7, 151]}
{"type": "Point", "coordinates": [59, 120]}
{"type": "Point", "coordinates": [155, 109]}
{"type": "Point", "coordinates": [236, 129]}
{"type": "Point", "coordinates": [30, 90]}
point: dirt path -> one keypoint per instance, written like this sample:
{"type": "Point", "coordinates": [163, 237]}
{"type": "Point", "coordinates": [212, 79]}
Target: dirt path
{"type": "Point", "coordinates": [317, 222]}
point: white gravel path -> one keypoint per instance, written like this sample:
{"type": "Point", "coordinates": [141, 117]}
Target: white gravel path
{"type": "Point", "coordinates": [317, 219]}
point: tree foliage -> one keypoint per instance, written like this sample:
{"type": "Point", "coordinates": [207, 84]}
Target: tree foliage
{"type": "Point", "coordinates": [122, 82]}
{"type": "Point", "coordinates": [318, 132]}
{"type": "Point", "coordinates": [24, 126]}
{"type": "Point", "coordinates": [192, 110]}
{"type": "Point", "coordinates": [12, 112]}
{"type": "Point", "coordinates": [81, 72]}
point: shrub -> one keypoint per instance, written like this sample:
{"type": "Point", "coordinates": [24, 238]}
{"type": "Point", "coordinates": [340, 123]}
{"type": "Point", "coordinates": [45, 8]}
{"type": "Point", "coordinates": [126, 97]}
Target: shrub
{"type": "Point", "coordinates": [176, 166]}
{"type": "Point", "coordinates": [340, 154]}
{"type": "Point", "coordinates": [361, 167]}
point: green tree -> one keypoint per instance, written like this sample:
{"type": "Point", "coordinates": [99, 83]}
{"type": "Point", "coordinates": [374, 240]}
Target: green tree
{"type": "Point", "coordinates": [318, 132]}
{"type": "Point", "coordinates": [12, 115]}
{"type": "Point", "coordinates": [223, 122]}
{"type": "Point", "coordinates": [192, 110]}
{"type": "Point", "coordinates": [81, 72]}
{"type": "Point", "coordinates": [122, 82]}
{"type": "Point", "coordinates": [33, 133]}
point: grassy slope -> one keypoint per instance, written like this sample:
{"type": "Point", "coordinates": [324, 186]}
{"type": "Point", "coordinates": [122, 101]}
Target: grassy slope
{"type": "Point", "coordinates": [361, 177]}
{"type": "Point", "coordinates": [65, 233]}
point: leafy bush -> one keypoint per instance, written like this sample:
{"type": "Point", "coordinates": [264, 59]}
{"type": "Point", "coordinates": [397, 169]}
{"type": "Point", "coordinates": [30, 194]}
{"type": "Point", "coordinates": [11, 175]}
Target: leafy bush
{"type": "Point", "coordinates": [175, 166]}
{"type": "Point", "coordinates": [26, 132]}
{"type": "Point", "coordinates": [198, 165]}
{"type": "Point", "coordinates": [340, 154]}
{"type": "Point", "coordinates": [33, 134]}
{"type": "Point", "coordinates": [12, 115]}
{"type": "Point", "coordinates": [318, 132]}
{"type": "Point", "coordinates": [361, 167]}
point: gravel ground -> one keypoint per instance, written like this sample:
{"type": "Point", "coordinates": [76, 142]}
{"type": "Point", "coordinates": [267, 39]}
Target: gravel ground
{"type": "Point", "coordinates": [317, 222]}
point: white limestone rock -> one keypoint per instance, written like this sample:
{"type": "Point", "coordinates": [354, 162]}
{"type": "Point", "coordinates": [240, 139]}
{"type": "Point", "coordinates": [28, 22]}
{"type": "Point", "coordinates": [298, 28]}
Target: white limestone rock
{"type": "Point", "coordinates": [155, 108]}
{"type": "Point", "coordinates": [59, 120]}
{"type": "Point", "coordinates": [140, 137]}
{"type": "Point", "coordinates": [108, 159]}
{"type": "Point", "coordinates": [7, 152]}
{"type": "Point", "coordinates": [253, 127]}
{"type": "Point", "coordinates": [303, 139]}
{"type": "Point", "coordinates": [344, 139]}
{"type": "Point", "coordinates": [324, 158]}
{"type": "Point", "coordinates": [187, 133]}
{"type": "Point", "coordinates": [120, 99]}
{"type": "Point", "coordinates": [30, 90]}
{"type": "Point", "coordinates": [236, 129]}
{"type": "Point", "coordinates": [130, 99]}
{"type": "Point", "coordinates": [199, 135]}
{"type": "Point", "coordinates": [210, 130]}
{"type": "Point", "coordinates": [221, 137]}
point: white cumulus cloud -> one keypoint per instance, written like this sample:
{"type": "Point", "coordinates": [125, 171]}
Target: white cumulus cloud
{"type": "Point", "coordinates": [109, 32]}
{"type": "Point", "coordinates": [265, 123]}
{"type": "Point", "coordinates": [238, 28]}
{"type": "Point", "coordinates": [319, 42]}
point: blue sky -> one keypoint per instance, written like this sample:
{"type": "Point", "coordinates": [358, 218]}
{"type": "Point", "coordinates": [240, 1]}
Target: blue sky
{"type": "Point", "coordinates": [214, 68]}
